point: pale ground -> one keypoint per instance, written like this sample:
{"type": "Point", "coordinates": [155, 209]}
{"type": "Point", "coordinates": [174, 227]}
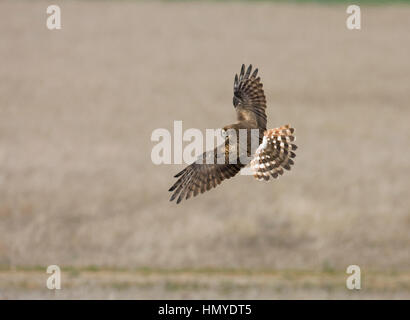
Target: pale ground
{"type": "Point", "coordinates": [78, 188]}
{"type": "Point", "coordinates": [201, 284]}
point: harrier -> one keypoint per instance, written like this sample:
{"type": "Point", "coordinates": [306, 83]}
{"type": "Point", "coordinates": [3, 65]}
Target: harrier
{"type": "Point", "coordinates": [273, 154]}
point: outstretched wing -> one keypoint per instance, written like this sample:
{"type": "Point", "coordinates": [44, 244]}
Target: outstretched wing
{"type": "Point", "coordinates": [249, 98]}
{"type": "Point", "coordinates": [201, 176]}
{"type": "Point", "coordinates": [274, 154]}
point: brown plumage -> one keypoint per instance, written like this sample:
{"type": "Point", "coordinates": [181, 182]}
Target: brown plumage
{"type": "Point", "coordinates": [250, 105]}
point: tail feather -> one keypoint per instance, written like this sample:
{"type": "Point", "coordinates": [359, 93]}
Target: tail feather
{"type": "Point", "coordinates": [275, 153]}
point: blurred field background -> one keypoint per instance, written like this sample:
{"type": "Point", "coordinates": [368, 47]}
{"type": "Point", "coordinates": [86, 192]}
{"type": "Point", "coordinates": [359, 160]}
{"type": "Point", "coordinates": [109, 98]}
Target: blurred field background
{"type": "Point", "coordinates": [78, 188]}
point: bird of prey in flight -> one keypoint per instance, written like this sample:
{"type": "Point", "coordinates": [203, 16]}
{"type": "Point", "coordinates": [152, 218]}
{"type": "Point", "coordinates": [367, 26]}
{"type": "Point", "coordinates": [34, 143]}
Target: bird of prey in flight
{"type": "Point", "coordinates": [273, 153]}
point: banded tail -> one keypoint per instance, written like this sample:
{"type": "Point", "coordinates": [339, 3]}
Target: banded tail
{"type": "Point", "coordinates": [274, 154]}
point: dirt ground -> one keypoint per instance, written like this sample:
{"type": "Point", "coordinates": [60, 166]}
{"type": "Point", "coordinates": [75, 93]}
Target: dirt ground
{"type": "Point", "coordinates": [78, 188]}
